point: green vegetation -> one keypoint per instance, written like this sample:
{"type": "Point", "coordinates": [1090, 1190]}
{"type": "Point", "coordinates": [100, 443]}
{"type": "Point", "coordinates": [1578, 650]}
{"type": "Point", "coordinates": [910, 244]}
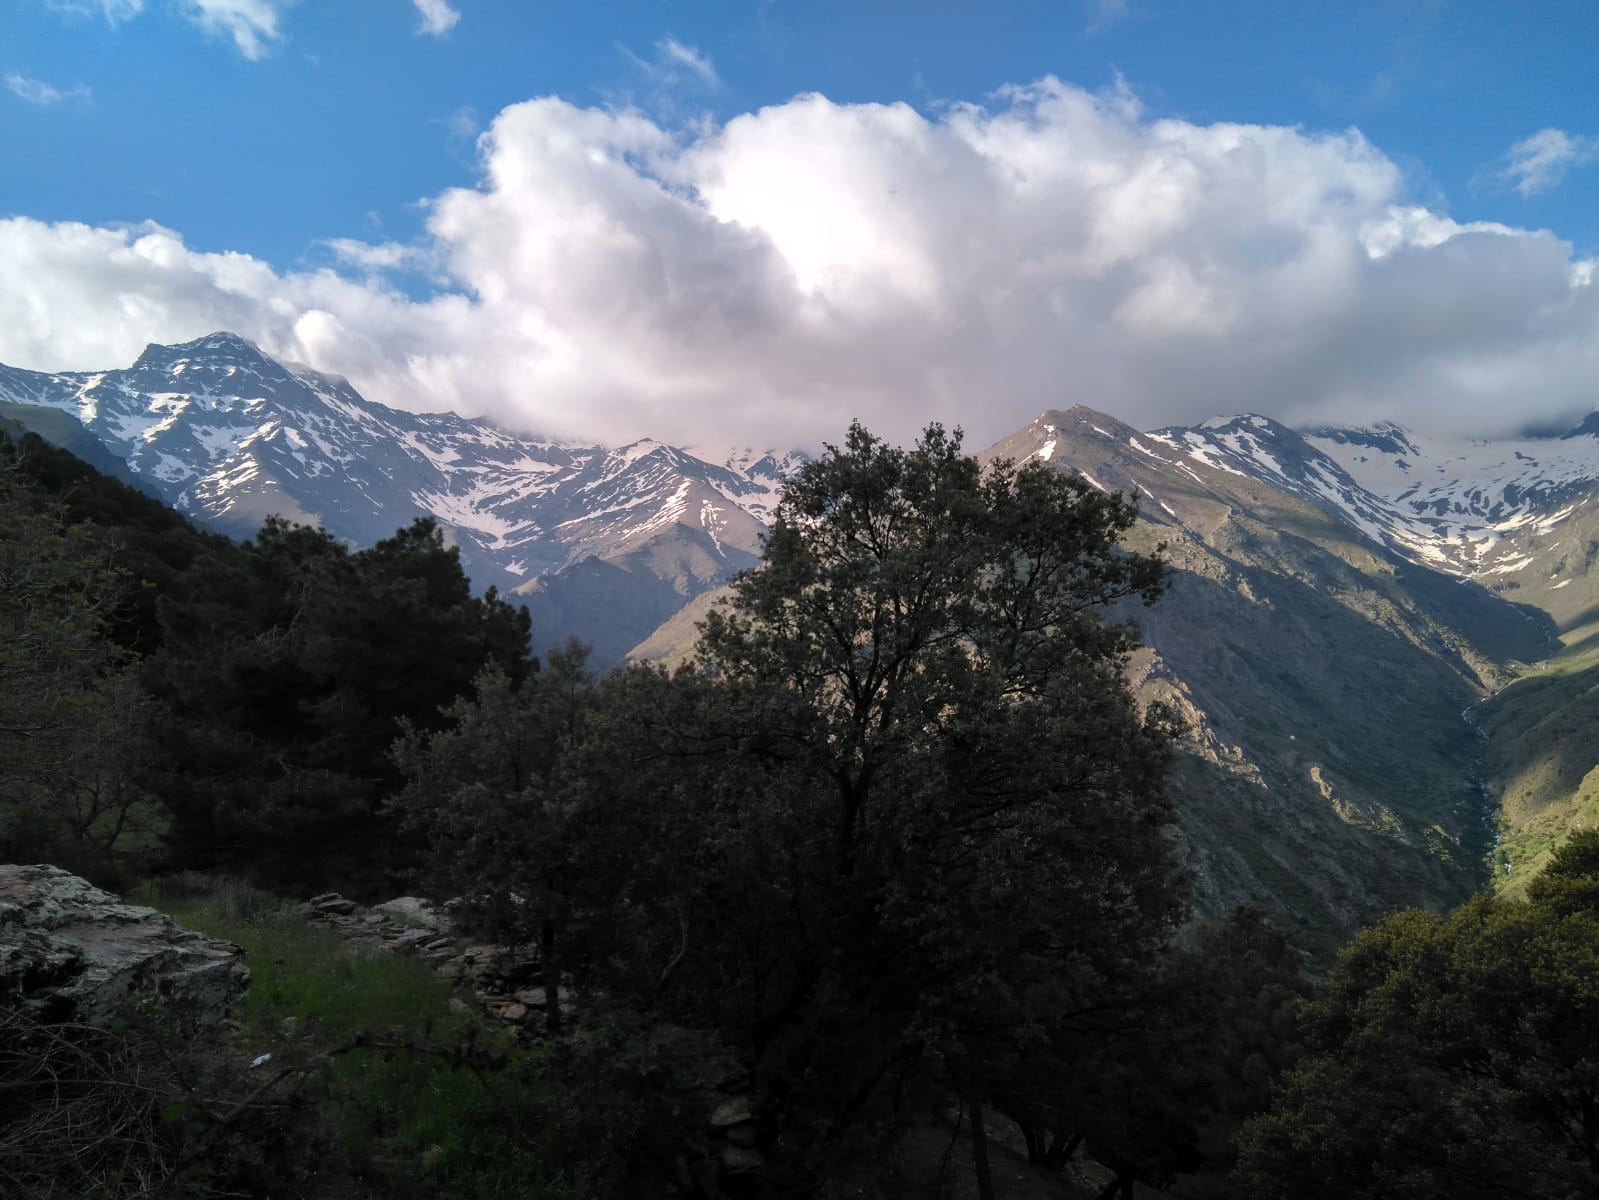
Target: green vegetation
{"type": "Point", "coordinates": [1450, 1056]}
{"type": "Point", "coordinates": [232, 703]}
{"type": "Point", "coordinates": [72, 713]}
{"type": "Point", "coordinates": [425, 1101]}
{"type": "Point", "coordinates": [287, 666]}
{"type": "Point", "coordinates": [1542, 761]}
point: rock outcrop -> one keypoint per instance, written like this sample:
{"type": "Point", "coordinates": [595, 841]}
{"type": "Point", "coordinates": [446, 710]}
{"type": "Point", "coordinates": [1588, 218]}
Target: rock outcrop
{"type": "Point", "coordinates": [71, 952]}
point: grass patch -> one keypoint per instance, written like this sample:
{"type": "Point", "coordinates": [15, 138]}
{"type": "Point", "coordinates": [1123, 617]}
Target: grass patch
{"type": "Point", "coordinates": [457, 1117]}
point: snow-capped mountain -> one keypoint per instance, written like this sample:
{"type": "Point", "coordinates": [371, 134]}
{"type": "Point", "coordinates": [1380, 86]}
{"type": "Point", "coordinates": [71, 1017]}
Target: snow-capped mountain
{"type": "Point", "coordinates": [1514, 514]}
{"type": "Point", "coordinates": [231, 436]}
{"type": "Point", "coordinates": [1488, 508]}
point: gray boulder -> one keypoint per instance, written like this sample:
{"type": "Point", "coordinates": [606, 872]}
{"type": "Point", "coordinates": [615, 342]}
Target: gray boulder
{"type": "Point", "coordinates": [413, 910]}
{"type": "Point", "coordinates": [71, 952]}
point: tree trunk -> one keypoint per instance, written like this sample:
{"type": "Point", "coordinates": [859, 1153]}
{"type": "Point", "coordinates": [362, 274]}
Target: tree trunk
{"type": "Point", "coordinates": [1035, 1143]}
{"type": "Point", "coordinates": [552, 978]}
{"type": "Point", "coordinates": [1061, 1150]}
{"type": "Point", "coordinates": [985, 1180]}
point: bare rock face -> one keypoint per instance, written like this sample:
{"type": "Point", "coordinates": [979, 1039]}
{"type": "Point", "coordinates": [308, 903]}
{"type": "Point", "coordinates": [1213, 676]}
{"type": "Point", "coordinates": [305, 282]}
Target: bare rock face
{"type": "Point", "coordinates": [71, 952]}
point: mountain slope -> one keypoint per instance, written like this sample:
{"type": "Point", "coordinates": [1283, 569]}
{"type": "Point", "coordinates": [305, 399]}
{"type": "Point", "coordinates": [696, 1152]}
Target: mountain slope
{"type": "Point", "coordinates": [1328, 775]}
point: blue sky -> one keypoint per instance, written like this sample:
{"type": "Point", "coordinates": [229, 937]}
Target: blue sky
{"type": "Point", "coordinates": [362, 185]}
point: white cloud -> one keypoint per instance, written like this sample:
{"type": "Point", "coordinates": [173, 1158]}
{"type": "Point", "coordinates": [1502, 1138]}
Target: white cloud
{"type": "Point", "coordinates": [698, 63]}
{"type": "Point", "coordinates": [114, 11]}
{"type": "Point", "coordinates": [1102, 14]}
{"type": "Point", "coordinates": [674, 65]}
{"type": "Point", "coordinates": [384, 256]}
{"type": "Point", "coordinates": [438, 18]}
{"type": "Point", "coordinates": [765, 280]}
{"type": "Point", "coordinates": [1538, 163]}
{"type": "Point", "coordinates": [36, 91]}
{"type": "Point", "coordinates": [253, 26]}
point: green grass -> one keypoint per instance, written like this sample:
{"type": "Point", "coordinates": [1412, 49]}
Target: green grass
{"type": "Point", "coordinates": [427, 1123]}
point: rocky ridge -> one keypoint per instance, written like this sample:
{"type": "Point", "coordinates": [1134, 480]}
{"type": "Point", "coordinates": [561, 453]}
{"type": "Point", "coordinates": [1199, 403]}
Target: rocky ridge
{"type": "Point", "coordinates": [71, 952]}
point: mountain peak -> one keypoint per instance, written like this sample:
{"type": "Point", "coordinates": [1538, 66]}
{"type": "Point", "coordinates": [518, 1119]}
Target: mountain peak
{"type": "Point", "coordinates": [1384, 437]}
{"type": "Point", "coordinates": [1587, 427]}
{"type": "Point", "coordinates": [219, 345]}
{"type": "Point", "coordinates": [1082, 419]}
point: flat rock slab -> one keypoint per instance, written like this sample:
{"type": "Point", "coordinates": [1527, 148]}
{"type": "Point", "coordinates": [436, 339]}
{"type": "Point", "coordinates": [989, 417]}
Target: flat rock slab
{"type": "Point", "coordinates": [71, 952]}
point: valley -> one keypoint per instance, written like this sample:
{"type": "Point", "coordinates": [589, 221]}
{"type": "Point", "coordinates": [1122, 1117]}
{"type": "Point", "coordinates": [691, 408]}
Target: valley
{"type": "Point", "coordinates": [1337, 598]}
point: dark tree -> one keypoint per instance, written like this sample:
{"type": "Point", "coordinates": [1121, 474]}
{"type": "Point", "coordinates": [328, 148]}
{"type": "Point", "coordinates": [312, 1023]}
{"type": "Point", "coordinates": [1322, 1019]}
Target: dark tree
{"type": "Point", "coordinates": [1452, 1056]}
{"type": "Point", "coordinates": [501, 820]}
{"type": "Point", "coordinates": [983, 803]}
{"type": "Point", "coordinates": [1156, 1087]}
{"type": "Point", "coordinates": [289, 665]}
{"type": "Point", "coordinates": [72, 714]}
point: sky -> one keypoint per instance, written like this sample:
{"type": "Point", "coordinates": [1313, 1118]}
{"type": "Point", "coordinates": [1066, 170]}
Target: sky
{"type": "Point", "coordinates": [745, 224]}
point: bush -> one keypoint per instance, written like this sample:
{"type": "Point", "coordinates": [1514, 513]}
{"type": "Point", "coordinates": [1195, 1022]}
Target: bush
{"type": "Point", "coordinates": [108, 1113]}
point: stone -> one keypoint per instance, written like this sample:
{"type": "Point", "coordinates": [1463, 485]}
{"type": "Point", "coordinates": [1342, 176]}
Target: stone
{"type": "Point", "coordinates": [732, 1112]}
{"type": "Point", "coordinates": [536, 997]}
{"type": "Point", "coordinates": [512, 1012]}
{"type": "Point", "coordinates": [413, 910]}
{"type": "Point", "coordinates": [71, 952]}
{"type": "Point", "coordinates": [742, 1134]}
{"type": "Point", "coordinates": [741, 1158]}
{"type": "Point", "coordinates": [410, 940]}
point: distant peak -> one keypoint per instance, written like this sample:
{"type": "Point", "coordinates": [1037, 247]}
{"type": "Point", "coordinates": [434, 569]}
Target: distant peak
{"type": "Point", "coordinates": [212, 345]}
{"type": "Point", "coordinates": [1079, 416]}
{"type": "Point", "coordinates": [221, 340]}
{"type": "Point", "coordinates": [1587, 427]}
{"type": "Point", "coordinates": [1382, 436]}
{"type": "Point", "coordinates": [1244, 421]}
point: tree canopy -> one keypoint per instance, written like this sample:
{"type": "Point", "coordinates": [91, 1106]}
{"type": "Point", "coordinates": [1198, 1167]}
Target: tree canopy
{"type": "Point", "coordinates": [1451, 1056]}
{"type": "Point", "coordinates": [288, 665]}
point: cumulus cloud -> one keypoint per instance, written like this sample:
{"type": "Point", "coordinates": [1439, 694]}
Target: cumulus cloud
{"type": "Point", "coordinates": [764, 280]}
{"type": "Point", "coordinates": [438, 18]}
{"type": "Point", "coordinates": [36, 91]}
{"type": "Point", "coordinates": [1540, 162]}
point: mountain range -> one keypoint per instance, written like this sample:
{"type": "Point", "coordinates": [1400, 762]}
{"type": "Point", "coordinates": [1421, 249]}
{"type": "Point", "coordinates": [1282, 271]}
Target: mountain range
{"type": "Point", "coordinates": [603, 543]}
{"type": "Point", "coordinates": [1349, 607]}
